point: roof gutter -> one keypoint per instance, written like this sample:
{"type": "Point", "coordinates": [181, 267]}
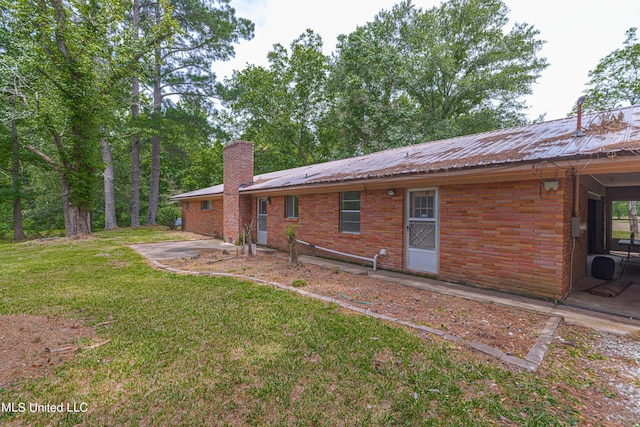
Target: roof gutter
{"type": "Point", "coordinates": [199, 197]}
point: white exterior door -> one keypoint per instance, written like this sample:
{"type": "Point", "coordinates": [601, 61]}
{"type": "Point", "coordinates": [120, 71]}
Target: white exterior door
{"type": "Point", "coordinates": [262, 221]}
{"type": "Point", "coordinates": [422, 230]}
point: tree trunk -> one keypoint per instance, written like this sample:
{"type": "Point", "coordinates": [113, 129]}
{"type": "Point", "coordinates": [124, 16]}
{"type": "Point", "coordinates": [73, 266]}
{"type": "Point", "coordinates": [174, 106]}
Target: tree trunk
{"type": "Point", "coordinates": [154, 184]}
{"type": "Point", "coordinates": [248, 229]}
{"type": "Point", "coordinates": [633, 217]}
{"type": "Point", "coordinates": [154, 181]}
{"type": "Point", "coordinates": [110, 220]}
{"type": "Point", "coordinates": [18, 229]}
{"type": "Point", "coordinates": [291, 232]}
{"type": "Point", "coordinates": [135, 144]}
{"type": "Point", "coordinates": [77, 219]}
{"type": "Point", "coordinates": [135, 182]}
{"type": "Point", "coordinates": [293, 253]}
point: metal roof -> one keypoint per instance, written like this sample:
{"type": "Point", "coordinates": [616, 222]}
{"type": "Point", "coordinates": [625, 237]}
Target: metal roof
{"type": "Point", "coordinates": [209, 191]}
{"type": "Point", "coordinates": [609, 133]}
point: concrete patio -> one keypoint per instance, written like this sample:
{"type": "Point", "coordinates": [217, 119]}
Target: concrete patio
{"type": "Point", "coordinates": [626, 304]}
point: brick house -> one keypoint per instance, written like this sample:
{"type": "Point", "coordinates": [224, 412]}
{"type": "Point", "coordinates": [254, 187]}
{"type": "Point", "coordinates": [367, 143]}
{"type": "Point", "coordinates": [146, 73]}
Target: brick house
{"type": "Point", "coordinates": [515, 209]}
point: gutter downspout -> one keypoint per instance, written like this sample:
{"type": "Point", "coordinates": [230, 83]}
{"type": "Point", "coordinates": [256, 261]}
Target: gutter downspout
{"type": "Point", "coordinates": [374, 260]}
{"type": "Point", "coordinates": [576, 196]}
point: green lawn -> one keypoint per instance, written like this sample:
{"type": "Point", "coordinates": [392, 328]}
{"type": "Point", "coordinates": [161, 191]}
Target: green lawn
{"type": "Point", "coordinates": [215, 351]}
{"type": "Point", "coordinates": [616, 234]}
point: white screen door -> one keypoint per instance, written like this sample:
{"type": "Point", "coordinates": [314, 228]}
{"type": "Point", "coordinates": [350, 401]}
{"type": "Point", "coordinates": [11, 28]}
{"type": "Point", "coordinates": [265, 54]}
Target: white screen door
{"type": "Point", "coordinates": [262, 221]}
{"type": "Point", "coordinates": [422, 230]}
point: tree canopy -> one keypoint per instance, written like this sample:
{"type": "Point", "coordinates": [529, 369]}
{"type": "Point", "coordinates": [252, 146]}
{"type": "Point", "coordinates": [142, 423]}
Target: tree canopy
{"type": "Point", "coordinates": [182, 66]}
{"type": "Point", "coordinates": [616, 79]}
{"type": "Point", "coordinates": [76, 52]}
{"type": "Point", "coordinates": [416, 75]}
{"type": "Point", "coordinates": [407, 77]}
{"type": "Point", "coordinates": [281, 107]}
{"type": "Point", "coordinates": [77, 61]}
{"type": "Point", "coordinates": [126, 92]}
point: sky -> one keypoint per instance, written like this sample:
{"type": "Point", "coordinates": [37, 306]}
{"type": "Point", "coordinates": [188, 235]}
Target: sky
{"type": "Point", "coordinates": [578, 34]}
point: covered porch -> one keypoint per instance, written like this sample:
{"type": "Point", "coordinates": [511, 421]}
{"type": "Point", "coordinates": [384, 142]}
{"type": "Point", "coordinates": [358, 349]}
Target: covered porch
{"type": "Point", "coordinates": [608, 233]}
{"type": "Point", "coordinates": [625, 304]}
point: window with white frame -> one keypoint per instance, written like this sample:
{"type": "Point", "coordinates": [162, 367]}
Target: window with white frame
{"type": "Point", "coordinates": [350, 212]}
{"type": "Point", "coordinates": [423, 204]}
{"type": "Point", "coordinates": [291, 206]}
{"type": "Point", "coordinates": [205, 205]}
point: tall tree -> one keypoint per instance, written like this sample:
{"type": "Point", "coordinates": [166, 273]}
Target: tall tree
{"type": "Point", "coordinates": [182, 66]}
{"type": "Point", "coordinates": [633, 217]}
{"type": "Point", "coordinates": [372, 105]}
{"type": "Point", "coordinates": [10, 154]}
{"type": "Point", "coordinates": [80, 51]}
{"type": "Point", "coordinates": [450, 70]}
{"type": "Point", "coordinates": [110, 219]}
{"type": "Point", "coordinates": [9, 92]}
{"type": "Point", "coordinates": [616, 79]}
{"type": "Point", "coordinates": [12, 88]}
{"type": "Point", "coordinates": [135, 115]}
{"type": "Point", "coordinates": [193, 156]}
{"type": "Point", "coordinates": [18, 228]}
{"type": "Point", "coordinates": [281, 108]}
{"type": "Point", "coordinates": [111, 130]}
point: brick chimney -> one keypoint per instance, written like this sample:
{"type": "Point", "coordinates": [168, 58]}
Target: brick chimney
{"type": "Point", "coordinates": [238, 172]}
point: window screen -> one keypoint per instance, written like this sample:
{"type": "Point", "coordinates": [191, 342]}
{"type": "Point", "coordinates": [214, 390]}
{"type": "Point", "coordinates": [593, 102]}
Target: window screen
{"type": "Point", "coordinates": [291, 208]}
{"type": "Point", "coordinates": [350, 212]}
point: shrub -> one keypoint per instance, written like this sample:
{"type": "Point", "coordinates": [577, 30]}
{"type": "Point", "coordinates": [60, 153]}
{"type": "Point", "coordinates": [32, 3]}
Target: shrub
{"type": "Point", "coordinates": [167, 216]}
{"type": "Point", "coordinates": [291, 233]}
{"type": "Point", "coordinates": [298, 283]}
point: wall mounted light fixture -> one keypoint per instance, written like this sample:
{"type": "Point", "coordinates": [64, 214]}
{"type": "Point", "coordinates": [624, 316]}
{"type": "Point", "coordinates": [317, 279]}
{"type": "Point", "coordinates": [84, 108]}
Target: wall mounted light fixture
{"type": "Point", "coordinates": [391, 192]}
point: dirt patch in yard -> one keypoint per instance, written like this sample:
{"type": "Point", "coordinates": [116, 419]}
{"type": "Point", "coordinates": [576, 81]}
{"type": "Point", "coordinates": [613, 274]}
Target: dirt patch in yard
{"type": "Point", "coordinates": [30, 346]}
{"type": "Point", "coordinates": [512, 331]}
{"type": "Point", "coordinates": [603, 369]}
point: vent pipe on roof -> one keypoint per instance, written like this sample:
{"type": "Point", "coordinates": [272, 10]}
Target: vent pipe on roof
{"type": "Point", "coordinates": [579, 131]}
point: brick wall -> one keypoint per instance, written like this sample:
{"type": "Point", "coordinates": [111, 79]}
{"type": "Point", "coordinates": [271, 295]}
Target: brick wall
{"type": "Point", "coordinates": [238, 171]}
{"type": "Point", "coordinates": [382, 225]}
{"type": "Point", "coordinates": [512, 236]}
{"type": "Point", "coordinates": [208, 222]}
{"type": "Point", "coordinates": [508, 235]}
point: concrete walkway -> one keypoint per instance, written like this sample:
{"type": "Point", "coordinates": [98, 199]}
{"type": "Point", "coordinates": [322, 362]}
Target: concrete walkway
{"type": "Point", "coordinates": [180, 249]}
{"type": "Point", "coordinates": [570, 315]}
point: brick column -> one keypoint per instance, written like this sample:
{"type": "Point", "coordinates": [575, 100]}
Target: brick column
{"type": "Point", "coordinates": [238, 172]}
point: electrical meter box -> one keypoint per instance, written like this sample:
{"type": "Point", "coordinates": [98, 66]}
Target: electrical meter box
{"type": "Point", "coordinates": [575, 226]}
